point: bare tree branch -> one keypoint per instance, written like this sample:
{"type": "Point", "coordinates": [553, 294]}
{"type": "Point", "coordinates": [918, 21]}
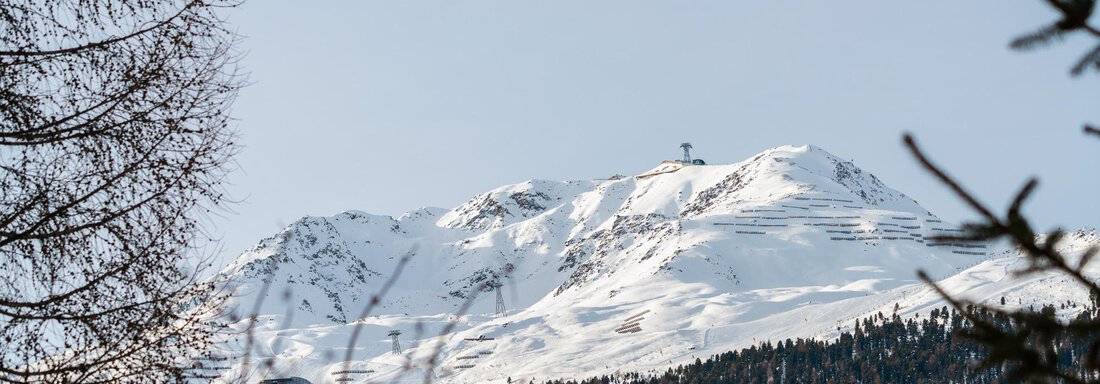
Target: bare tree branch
{"type": "Point", "coordinates": [110, 148]}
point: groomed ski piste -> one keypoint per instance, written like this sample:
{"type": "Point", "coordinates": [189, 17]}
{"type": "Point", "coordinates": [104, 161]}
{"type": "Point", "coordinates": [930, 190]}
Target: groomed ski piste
{"type": "Point", "coordinates": [634, 274]}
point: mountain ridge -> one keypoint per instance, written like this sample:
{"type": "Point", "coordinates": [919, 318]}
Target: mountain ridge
{"type": "Point", "coordinates": [787, 242]}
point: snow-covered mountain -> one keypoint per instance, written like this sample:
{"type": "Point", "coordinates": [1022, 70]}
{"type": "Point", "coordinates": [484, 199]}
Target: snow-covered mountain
{"type": "Point", "coordinates": [626, 274]}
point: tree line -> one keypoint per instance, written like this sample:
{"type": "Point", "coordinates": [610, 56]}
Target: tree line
{"type": "Point", "coordinates": [933, 348]}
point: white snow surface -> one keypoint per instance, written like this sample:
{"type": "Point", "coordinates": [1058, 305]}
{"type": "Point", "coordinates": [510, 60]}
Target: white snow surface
{"type": "Point", "coordinates": [630, 274]}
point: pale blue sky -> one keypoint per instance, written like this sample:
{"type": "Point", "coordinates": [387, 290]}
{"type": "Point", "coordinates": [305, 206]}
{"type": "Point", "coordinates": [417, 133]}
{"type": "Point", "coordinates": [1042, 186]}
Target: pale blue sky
{"type": "Point", "coordinates": [387, 106]}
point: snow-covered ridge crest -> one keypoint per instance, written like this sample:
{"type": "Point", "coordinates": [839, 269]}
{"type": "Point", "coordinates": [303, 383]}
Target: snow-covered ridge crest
{"type": "Point", "coordinates": [314, 265]}
{"type": "Point", "coordinates": [781, 172]}
{"type": "Point", "coordinates": [558, 234]}
{"type": "Point", "coordinates": [510, 204]}
{"type": "Point", "coordinates": [784, 244]}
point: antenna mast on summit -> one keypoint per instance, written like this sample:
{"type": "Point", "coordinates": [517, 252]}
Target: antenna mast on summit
{"type": "Point", "coordinates": [687, 152]}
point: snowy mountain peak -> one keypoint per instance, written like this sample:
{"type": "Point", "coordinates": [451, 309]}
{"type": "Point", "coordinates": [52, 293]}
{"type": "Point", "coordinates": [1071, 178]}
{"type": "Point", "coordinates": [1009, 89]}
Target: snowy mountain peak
{"type": "Point", "coordinates": [562, 235]}
{"type": "Point", "coordinates": [818, 170]}
{"type": "Point", "coordinates": [707, 252]}
{"type": "Point", "coordinates": [777, 174]}
{"type": "Point", "coordinates": [510, 204]}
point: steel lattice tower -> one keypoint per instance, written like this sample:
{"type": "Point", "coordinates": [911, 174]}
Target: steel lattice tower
{"type": "Point", "coordinates": [501, 309]}
{"type": "Point", "coordinates": [396, 345]}
{"type": "Point", "coordinates": [687, 153]}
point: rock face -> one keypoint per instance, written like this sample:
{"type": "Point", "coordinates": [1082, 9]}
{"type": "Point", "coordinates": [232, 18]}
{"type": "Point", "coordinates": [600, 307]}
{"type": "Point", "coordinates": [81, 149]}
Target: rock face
{"type": "Point", "coordinates": [790, 243]}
